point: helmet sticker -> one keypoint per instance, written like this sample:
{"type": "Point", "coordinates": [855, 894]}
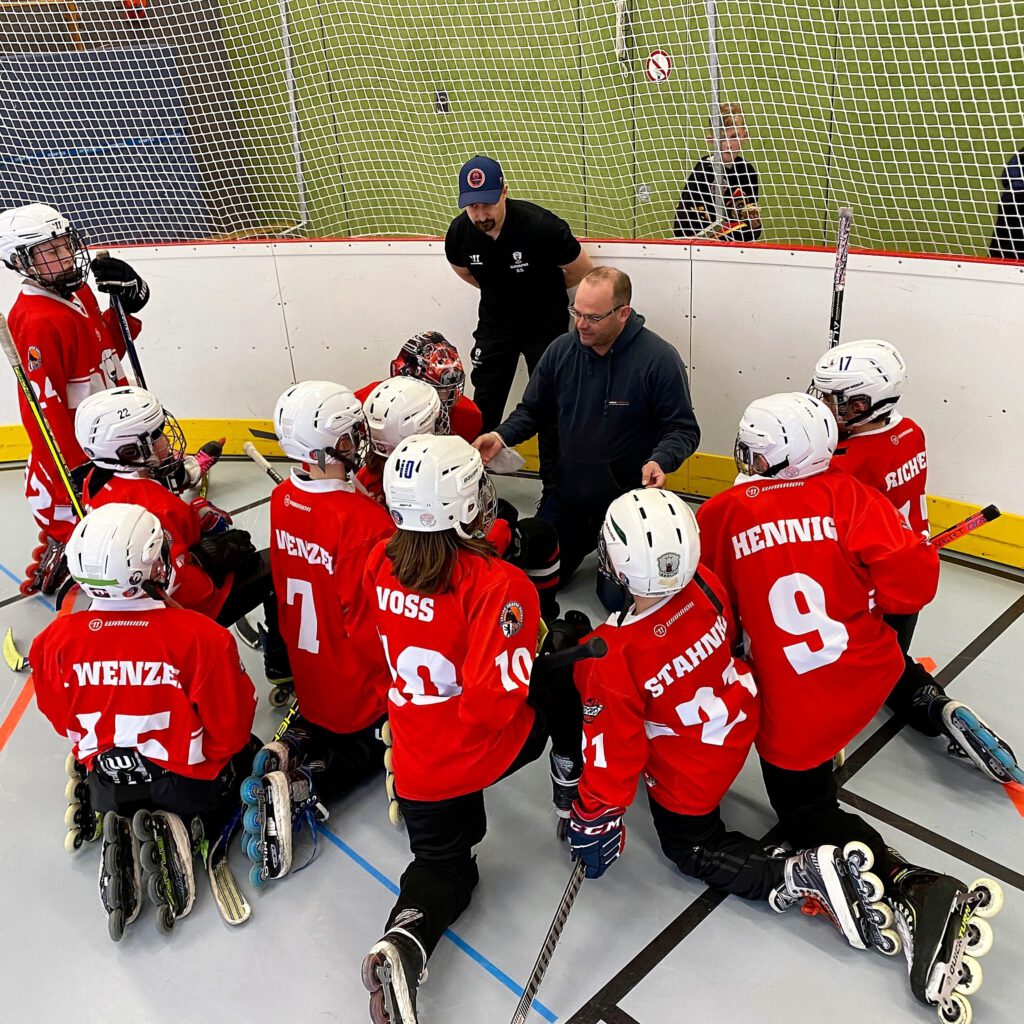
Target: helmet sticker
{"type": "Point", "coordinates": [668, 564]}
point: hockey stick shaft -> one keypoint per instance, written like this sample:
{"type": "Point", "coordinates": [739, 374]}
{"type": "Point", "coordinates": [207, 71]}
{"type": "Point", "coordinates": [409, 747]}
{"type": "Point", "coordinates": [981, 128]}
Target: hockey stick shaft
{"type": "Point", "coordinates": [250, 449]}
{"type": "Point", "coordinates": [964, 527]}
{"type": "Point", "coordinates": [547, 950]}
{"type": "Point", "coordinates": [595, 647]}
{"type": "Point", "coordinates": [839, 275]}
{"type": "Point", "coordinates": [7, 343]}
{"type": "Point", "coordinates": [126, 333]}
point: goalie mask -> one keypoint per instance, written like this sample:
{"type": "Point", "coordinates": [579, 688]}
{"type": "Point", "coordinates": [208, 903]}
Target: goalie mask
{"type": "Point", "coordinates": [40, 244]}
{"type": "Point", "coordinates": [321, 423]}
{"type": "Point", "coordinates": [126, 429]}
{"type": "Point", "coordinates": [649, 543]}
{"type": "Point", "coordinates": [397, 408]}
{"type": "Point", "coordinates": [115, 551]}
{"type": "Point", "coordinates": [432, 358]}
{"type": "Point", "coordinates": [789, 436]}
{"type": "Point", "coordinates": [438, 483]}
{"type": "Point", "coordinates": [860, 381]}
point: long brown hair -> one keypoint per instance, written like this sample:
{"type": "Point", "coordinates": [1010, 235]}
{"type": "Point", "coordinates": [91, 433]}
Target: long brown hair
{"type": "Point", "coordinates": [425, 562]}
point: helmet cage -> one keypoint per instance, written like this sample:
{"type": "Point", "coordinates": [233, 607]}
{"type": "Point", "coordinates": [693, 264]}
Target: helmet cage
{"type": "Point", "coordinates": [753, 463]}
{"type": "Point", "coordinates": [352, 455]}
{"type": "Point", "coordinates": [63, 282]}
{"type": "Point", "coordinates": [432, 358]}
{"type": "Point", "coordinates": [839, 401]}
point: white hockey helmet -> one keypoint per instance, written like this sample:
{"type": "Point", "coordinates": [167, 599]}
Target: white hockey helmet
{"type": "Point", "coordinates": [789, 436]}
{"type": "Point", "coordinates": [127, 428]}
{"type": "Point", "coordinates": [860, 381]}
{"type": "Point", "coordinates": [397, 408]}
{"type": "Point", "coordinates": [434, 483]}
{"type": "Point", "coordinates": [25, 227]}
{"type": "Point", "coordinates": [116, 549]}
{"type": "Point", "coordinates": [649, 542]}
{"type": "Point", "coordinates": [320, 422]}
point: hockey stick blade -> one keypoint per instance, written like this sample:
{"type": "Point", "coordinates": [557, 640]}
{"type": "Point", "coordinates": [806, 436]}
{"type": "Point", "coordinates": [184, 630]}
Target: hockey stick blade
{"type": "Point", "coordinates": [247, 633]}
{"type": "Point", "coordinates": [547, 950]}
{"type": "Point", "coordinates": [263, 435]}
{"type": "Point", "coordinates": [16, 661]}
{"type": "Point", "coordinates": [250, 449]}
{"type": "Point", "coordinates": [231, 903]}
{"type": "Point", "coordinates": [965, 526]}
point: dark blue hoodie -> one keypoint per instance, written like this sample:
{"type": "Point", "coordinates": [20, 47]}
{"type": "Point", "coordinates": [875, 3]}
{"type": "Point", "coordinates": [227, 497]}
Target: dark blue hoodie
{"type": "Point", "coordinates": [613, 412]}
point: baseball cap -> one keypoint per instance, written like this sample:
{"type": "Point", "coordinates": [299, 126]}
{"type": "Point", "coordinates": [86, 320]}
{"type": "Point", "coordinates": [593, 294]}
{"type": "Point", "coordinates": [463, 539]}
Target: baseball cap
{"type": "Point", "coordinates": [480, 181]}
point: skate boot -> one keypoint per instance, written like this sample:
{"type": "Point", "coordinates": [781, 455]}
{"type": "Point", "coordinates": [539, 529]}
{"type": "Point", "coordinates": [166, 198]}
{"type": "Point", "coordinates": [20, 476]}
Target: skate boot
{"type": "Point", "coordinates": [392, 972]}
{"type": "Point", "coordinates": [970, 736]}
{"type": "Point", "coordinates": [839, 885]}
{"type": "Point", "coordinates": [278, 804]}
{"type": "Point", "coordinates": [565, 788]}
{"type": "Point", "coordinates": [166, 856]}
{"type": "Point", "coordinates": [276, 668]}
{"type": "Point", "coordinates": [120, 874]}
{"type": "Point", "coordinates": [394, 807]}
{"type": "Point", "coordinates": [47, 570]}
{"type": "Point", "coordinates": [943, 927]}
{"type": "Point", "coordinates": [84, 825]}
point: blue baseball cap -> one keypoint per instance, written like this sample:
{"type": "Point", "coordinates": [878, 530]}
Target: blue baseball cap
{"type": "Point", "coordinates": [480, 181]}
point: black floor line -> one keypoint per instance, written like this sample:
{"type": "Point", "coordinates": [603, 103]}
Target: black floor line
{"type": "Point", "coordinates": [606, 1000]}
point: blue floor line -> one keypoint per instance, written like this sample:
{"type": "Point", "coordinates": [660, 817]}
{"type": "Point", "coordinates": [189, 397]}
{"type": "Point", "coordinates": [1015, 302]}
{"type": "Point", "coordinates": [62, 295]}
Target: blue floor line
{"type": "Point", "coordinates": [35, 597]}
{"type": "Point", "coordinates": [461, 943]}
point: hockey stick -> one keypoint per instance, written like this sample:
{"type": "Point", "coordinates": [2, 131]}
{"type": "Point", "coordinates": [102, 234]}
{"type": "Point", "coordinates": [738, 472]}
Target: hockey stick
{"type": "Point", "coordinates": [839, 275]}
{"type": "Point", "coordinates": [126, 333]}
{"type": "Point", "coordinates": [595, 647]}
{"type": "Point", "coordinates": [550, 941]}
{"type": "Point", "coordinates": [250, 449]}
{"type": "Point", "coordinates": [964, 527]}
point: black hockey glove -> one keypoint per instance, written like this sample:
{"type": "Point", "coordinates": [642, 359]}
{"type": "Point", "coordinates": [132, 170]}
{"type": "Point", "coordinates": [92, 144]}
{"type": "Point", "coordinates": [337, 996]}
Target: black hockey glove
{"type": "Point", "coordinates": [230, 551]}
{"type": "Point", "coordinates": [115, 277]}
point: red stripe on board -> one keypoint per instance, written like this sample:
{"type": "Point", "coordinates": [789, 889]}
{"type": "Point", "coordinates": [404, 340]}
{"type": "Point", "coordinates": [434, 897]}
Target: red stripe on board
{"type": "Point", "coordinates": [10, 723]}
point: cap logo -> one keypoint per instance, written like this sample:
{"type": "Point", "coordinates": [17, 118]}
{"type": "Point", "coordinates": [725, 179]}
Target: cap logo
{"type": "Point", "coordinates": [476, 178]}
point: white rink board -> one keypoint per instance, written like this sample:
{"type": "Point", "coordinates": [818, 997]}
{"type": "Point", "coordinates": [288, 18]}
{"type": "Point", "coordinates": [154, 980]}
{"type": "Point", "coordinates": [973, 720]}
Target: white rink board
{"type": "Point", "coordinates": [231, 324]}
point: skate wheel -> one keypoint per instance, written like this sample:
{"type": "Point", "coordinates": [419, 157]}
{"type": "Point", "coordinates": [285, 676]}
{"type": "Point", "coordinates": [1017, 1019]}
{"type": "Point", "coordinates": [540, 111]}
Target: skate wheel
{"type": "Point", "coordinates": [115, 924]}
{"type": "Point", "coordinates": [958, 1010]}
{"type": "Point", "coordinates": [72, 815]}
{"type": "Point", "coordinates": [395, 814]}
{"type": "Point", "coordinates": [385, 734]}
{"type": "Point", "coordinates": [258, 876]}
{"type": "Point", "coordinates": [992, 902]}
{"type": "Point", "coordinates": [71, 790]}
{"type": "Point", "coordinates": [562, 829]}
{"type": "Point", "coordinates": [142, 825]}
{"type": "Point", "coordinates": [861, 854]}
{"type": "Point", "coordinates": [979, 936]}
{"type": "Point", "coordinates": [164, 920]}
{"type": "Point", "coordinates": [265, 761]}
{"type": "Point", "coordinates": [279, 696]}
{"type": "Point", "coordinates": [110, 827]}
{"type": "Point", "coordinates": [254, 849]}
{"type": "Point", "coordinates": [73, 841]}
{"type": "Point", "coordinates": [389, 760]}
{"type": "Point", "coordinates": [250, 790]}
{"type": "Point", "coordinates": [252, 820]}
{"type": "Point", "coordinates": [149, 856]}
{"type": "Point", "coordinates": [871, 886]}
{"type": "Point", "coordinates": [111, 859]}
{"type": "Point", "coordinates": [72, 768]}
{"type": "Point", "coordinates": [890, 943]}
{"type": "Point", "coordinates": [389, 785]}
{"type": "Point", "coordinates": [882, 915]}
{"type": "Point", "coordinates": [971, 976]}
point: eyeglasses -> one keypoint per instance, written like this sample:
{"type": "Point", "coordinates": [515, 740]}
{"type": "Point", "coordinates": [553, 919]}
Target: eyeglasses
{"type": "Point", "coordinates": [591, 318]}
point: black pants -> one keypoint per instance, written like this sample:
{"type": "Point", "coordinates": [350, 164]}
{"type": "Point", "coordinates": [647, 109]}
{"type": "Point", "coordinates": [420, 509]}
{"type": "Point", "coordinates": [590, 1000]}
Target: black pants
{"type": "Point", "coordinates": [438, 885]}
{"type": "Point", "coordinates": [700, 846]}
{"type": "Point", "coordinates": [494, 367]}
{"type": "Point", "coordinates": [248, 590]}
{"type": "Point", "coordinates": [339, 761]}
{"type": "Point", "coordinates": [214, 801]}
{"type": "Point", "coordinates": [807, 805]}
{"type": "Point", "coordinates": [901, 698]}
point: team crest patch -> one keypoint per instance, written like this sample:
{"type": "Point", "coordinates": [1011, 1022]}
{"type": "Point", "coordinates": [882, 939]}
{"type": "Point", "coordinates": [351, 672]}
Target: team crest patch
{"type": "Point", "coordinates": [475, 178]}
{"type": "Point", "coordinates": [397, 516]}
{"type": "Point", "coordinates": [668, 565]}
{"type": "Point", "coordinates": [511, 618]}
{"type": "Point", "coordinates": [35, 358]}
{"type": "Point", "coordinates": [591, 709]}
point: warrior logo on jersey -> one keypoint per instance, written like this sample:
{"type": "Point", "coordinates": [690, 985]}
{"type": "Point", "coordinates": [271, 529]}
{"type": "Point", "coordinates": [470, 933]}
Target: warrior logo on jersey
{"type": "Point", "coordinates": [35, 358]}
{"type": "Point", "coordinates": [660, 629]}
{"type": "Point", "coordinates": [95, 624]}
{"type": "Point", "coordinates": [753, 492]}
{"type": "Point", "coordinates": [591, 709]}
{"type": "Point", "coordinates": [668, 565]}
{"type": "Point", "coordinates": [511, 618]}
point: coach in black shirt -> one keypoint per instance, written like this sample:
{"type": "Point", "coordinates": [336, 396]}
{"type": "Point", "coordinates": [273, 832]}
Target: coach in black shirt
{"type": "Point", "coordinates": [523, 259]}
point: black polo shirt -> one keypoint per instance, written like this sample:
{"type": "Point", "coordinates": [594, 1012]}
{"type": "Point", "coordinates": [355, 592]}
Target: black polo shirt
{"type": "Point", "coordinates": [522, 287]}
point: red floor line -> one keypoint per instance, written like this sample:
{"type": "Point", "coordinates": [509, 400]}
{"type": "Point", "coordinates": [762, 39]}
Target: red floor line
{"type": "Point", "coordinates": [10, 723]}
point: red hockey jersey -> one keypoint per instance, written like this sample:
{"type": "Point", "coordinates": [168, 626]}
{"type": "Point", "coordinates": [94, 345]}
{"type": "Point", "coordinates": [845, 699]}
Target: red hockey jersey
{"type": "Point", "coordinates": [893, 459]}
{"type": "Point", "coordinates": [460, 663]}
{"type": "Point", "coordinates": [167, 682]}
{"type": "Point", "coordinates": [70, 350]}
{"type": "Point", "coordinates": [810, 566]}
{"type": "Point", "coordinates": [670, 701]}
{"type": "Point", "coordinates": [190, 586]}
{"type": "Point", "coordinates": [466, 419]}
{"type": "Point", "coordinates": [321, 534]}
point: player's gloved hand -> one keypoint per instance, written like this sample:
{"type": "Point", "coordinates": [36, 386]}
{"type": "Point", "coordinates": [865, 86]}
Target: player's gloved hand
{"type": "Point", "coordinates": [230, 551]}
{"type": "Point", "coordinates": [115, 277]}
{"type": "Point", "coordinates": [596, 838]}
{"type": "Point", "coordinates": [209, 455]}
{"type": "Point", "coordinates": [566, 632]}
{"type": "Point", "coordinates": [212, 520]}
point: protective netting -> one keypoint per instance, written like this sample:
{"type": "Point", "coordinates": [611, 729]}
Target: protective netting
{"type": "Point", "coordinates": [156, 120]}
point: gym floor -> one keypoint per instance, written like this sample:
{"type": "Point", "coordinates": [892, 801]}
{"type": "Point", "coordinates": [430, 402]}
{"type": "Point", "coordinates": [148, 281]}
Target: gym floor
{"type": "Point", "coordinates": [643, 945]}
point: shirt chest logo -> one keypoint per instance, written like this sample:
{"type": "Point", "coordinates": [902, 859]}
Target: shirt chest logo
{"type": "Point", "coordinates": [517, 263]}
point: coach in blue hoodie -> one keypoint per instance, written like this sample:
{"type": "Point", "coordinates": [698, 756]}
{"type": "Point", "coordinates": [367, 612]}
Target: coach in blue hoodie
{"type": "Point", "coordinates": [619, 397]}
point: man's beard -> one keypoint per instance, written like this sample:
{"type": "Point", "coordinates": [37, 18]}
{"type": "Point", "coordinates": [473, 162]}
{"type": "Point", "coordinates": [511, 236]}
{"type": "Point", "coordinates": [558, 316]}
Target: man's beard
{"type": "Point", "coordinates": [484, 225]}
